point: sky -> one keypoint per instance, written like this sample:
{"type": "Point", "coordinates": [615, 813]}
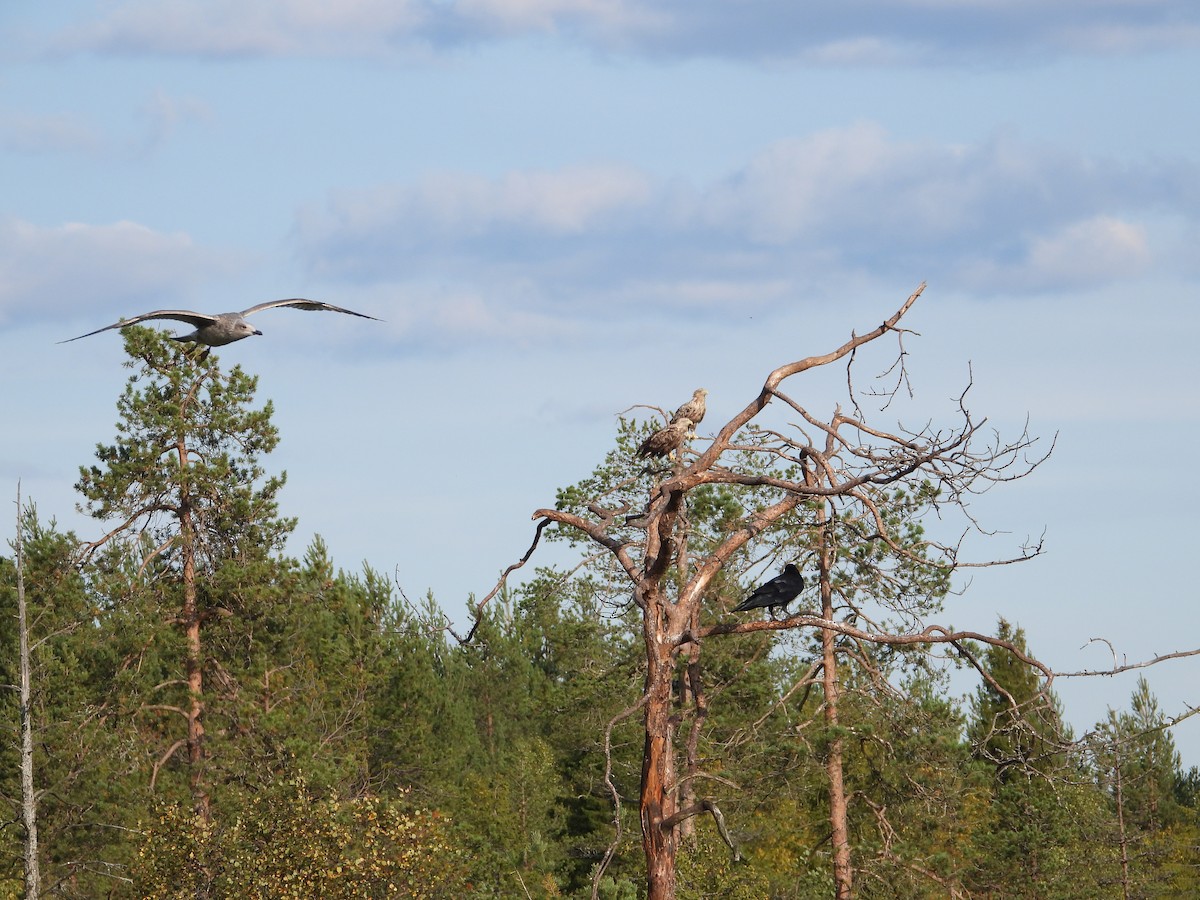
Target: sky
{"type": "Point", "coordinates": [562, 209]}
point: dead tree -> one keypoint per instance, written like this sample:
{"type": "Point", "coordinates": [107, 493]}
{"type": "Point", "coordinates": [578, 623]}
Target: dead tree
{"type": "Point", "coordinates": [834, 472]}
{"type": "Point", "coordinates": [29, 797]}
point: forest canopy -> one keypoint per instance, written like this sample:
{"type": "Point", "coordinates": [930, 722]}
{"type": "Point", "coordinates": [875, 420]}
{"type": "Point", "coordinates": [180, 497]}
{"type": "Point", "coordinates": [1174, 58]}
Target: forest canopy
{"type": "Point", "coordinates": [212, 717]}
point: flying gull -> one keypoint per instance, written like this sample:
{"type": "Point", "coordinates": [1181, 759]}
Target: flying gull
{"type": "Point", "coordinates": [781, 590]}
{"type": "Point", "coordinates": [223, 328]}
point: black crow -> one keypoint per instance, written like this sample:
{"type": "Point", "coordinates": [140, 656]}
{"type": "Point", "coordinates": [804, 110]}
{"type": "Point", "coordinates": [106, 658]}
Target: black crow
{"type": "Point", "coordinates": [779, 591]}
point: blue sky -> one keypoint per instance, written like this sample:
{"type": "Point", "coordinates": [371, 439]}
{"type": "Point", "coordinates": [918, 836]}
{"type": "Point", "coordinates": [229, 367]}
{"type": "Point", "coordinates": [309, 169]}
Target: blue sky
{"type": "Point", "coordinates": [563, 208]}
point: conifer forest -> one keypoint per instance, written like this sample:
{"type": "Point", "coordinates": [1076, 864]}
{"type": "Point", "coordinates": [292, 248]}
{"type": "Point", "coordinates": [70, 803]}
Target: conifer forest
{"type": "Point", "coordinates": [190, 711]}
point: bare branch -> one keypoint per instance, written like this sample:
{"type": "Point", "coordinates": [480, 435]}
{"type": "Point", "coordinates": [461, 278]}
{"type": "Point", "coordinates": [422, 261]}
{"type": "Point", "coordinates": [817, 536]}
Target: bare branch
{"type": "Point", "coordinates": [932, 634]}
{"type": "Point", "coordinates": [478, 612]}
{"type": "Point", "coordinates": [864, 486]}
{"type": "Point", "coordinates": [706, 806]}
{"type": "Point", "coordinates": [611, 850]}
{"type": "Point", "coordinates": [162, 760]}
{"type": "Point", "coordinates": [984, 673]}
{"type": "Point", "coordinates": [773, 380]}
{"type": "Point", "coordinates": [1129, 667]}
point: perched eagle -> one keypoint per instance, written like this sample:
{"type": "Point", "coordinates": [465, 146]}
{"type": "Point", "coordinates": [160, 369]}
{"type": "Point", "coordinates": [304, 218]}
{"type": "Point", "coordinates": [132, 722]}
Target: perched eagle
{"type": "Point", "coordinates": [222, 328]}
{"type": "Point", "coordinates": [665, 440]}
{"type": "Point", "coordinates": [779, 591]}
{"type": "Point", "coordinates": [693, 409]}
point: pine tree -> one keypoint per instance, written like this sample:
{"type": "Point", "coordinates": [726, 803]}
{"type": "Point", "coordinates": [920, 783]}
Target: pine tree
{"type": "Point", "coordinates": [184, 486]}
{"type": "Point", "coordinates": [1157, 831]}
{"type": "Point", "coordinates": [1015, 725]}
{"type": "Point", "coordinates": [776, 491]}
{"type": "Point", "coordinates": [75, 757]}
{"type": "Point", "coordinates": [1044, 815]}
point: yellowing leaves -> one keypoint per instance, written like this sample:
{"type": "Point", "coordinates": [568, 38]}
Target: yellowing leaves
{"type": "Point", "coordinates": [297, 846]}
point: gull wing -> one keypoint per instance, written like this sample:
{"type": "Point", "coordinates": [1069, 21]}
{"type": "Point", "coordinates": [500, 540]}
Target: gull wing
{"type": "Point", "coordinates": [309, 305]}
{"type": "Point", "coordinates": [197, 320]}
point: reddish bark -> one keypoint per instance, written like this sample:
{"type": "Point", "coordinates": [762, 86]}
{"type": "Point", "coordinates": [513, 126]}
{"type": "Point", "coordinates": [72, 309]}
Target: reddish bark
{"type": "Point", "coordinates": [194, 659]}
{"type": "Point", "coordinates": [843, 872]}
{"type": "Point", "coordinates": [658, 774]}
{"type": "Point", "coordinates": [670, 612]}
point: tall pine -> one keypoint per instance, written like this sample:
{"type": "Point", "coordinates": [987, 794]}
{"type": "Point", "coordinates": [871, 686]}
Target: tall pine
{"type": "Point", "coordinates": [193, 514]}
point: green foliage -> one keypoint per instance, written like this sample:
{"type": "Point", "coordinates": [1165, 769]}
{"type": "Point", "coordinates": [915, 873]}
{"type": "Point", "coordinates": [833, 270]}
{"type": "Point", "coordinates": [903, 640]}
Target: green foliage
{"type": "Point", "coordinates": [1138, 768]}
{"type": "Point", "coordinates": [511, 822]}
{"type": "Point", "coordinates": [706, 869]}
{"type": "Point", "coordinates": [338, 715]}
{"type": "Point", "coordinates": [188, 442]}
{"type": "Point", "coordinates": [77, 758]}
{"type": "Point", "coordinates": [1015, 723]}
{"type": "Point", "coordinates": [624, 483]}
{"type": "Point", "coordinates": [899, 587]}
{"type": "Point", "coordinates": [1043, 816]}
{"type": "Point", "coordinates": [505, 738]}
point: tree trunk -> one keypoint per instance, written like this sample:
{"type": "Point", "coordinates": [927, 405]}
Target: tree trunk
{"type": "Point", "coordinates": [1124, 838]}
{"type": "Point", "coordinates": [193, 665]}
{"type": "Point", "coordinates": [843, 874]}
{"type": "Point", "coordinates": [691, 697]}
{"type": "Point", "coordinates": [33, 877]}
{"type": "Point", "coordinates": [658, 760]}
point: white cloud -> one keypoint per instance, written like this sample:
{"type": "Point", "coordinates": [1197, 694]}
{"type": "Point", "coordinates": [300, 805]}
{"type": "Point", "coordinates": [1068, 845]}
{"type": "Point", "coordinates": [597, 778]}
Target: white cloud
{"type": "Point", "coordinates": [867, 50]}
{"type": "Point", "coordinates": [475, 315]}
{"type": "Point", "coordinates": [704, 294]}
{"type": "Point", "coordinates": [853, 201]}
{"type": "Point", "coordinates": [611, 17]}
{"type": "Point", "coordinates": [799, 187]}
{"type": "Point", "coordinates": [81, 268]}
{"type": "Point", "coordinates": [1102, 248]}
{"type": "Point", "coordinates": [458, 217]}
{"type": "Point", "coordinates": [879, 32]}
{"type": "Point", "coordinates": [1104, 38]}
{"type": "Point", "coordinates": [563, 202]}
{"type": "Point", "coordinates": [1093, 252]}
{"type": "Point", "coordinates": [232, 28]}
